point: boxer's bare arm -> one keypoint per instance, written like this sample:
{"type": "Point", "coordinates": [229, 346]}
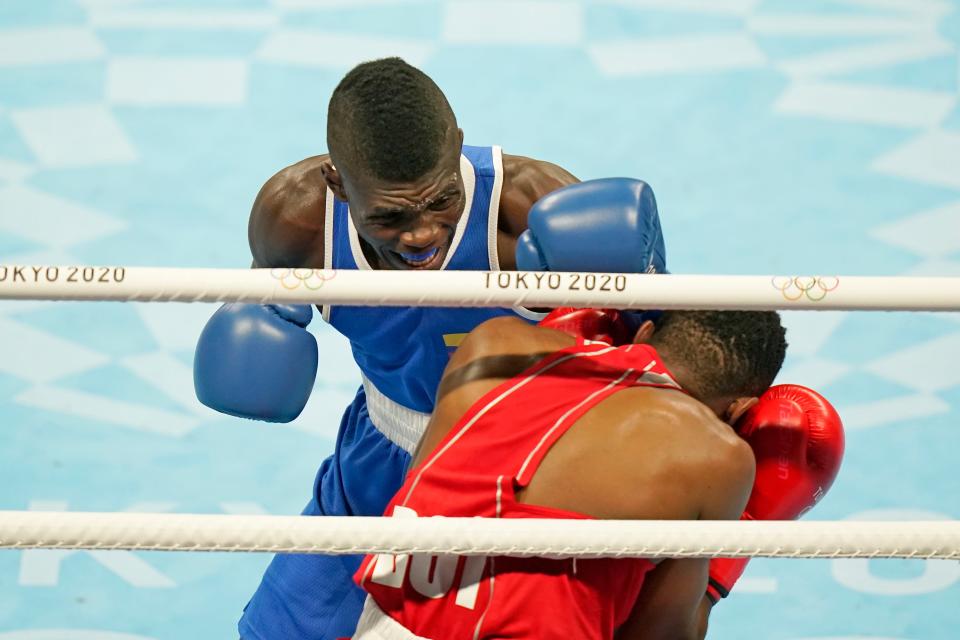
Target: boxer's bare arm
{"type": "Point", "coordinates": [525, 181]}
{"type": "Point", "coordinates": [671, 603]}
{"type": "Point", "coordinates": [287, 219]}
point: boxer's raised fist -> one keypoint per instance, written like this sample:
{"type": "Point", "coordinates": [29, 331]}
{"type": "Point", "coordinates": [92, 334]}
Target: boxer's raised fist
{"type": "Point", "coordinates": [797, 440]}
{"type": "Point", "coordinates": [607, 225]}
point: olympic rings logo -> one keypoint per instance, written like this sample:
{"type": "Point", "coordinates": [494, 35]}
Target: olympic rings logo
{"type": "Point", "coordinates": [813, 288]}
{"type": "Point", "coordinates": [312, 279]}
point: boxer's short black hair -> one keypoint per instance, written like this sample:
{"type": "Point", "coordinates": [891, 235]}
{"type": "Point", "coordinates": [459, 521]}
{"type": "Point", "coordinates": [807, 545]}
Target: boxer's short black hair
{"type": "Point", "coordinates": [729, 353]}
{"type": "Point", "coordinates": [388, 120]}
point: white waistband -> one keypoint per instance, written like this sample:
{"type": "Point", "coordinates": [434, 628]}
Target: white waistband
{"type": "Point", "coordinates": [402, 426]}
{"type": "Point", "coordinates": [374, 624]}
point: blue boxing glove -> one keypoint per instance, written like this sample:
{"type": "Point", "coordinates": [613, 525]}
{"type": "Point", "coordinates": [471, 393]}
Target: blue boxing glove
{"type": "Point", "coordinates": [256, 361]}
{"type": "Point", "coordinates": [607, 225]}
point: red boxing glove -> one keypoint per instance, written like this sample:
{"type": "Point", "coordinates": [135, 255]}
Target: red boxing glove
{"type": "Point", "coordinates": [599, 325]}
{"type": "Point", "coordinates": [797, 440]}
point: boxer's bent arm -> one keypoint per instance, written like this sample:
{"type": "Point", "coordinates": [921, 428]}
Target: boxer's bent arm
{"type": "Point", "coordinates": [706, 604]}
{"type": "Point", "coordinates": [671, 602]}
{"type": "Point", "coordinates": [259, 361]}
{"type": "Point", "coordinates": [286, 226]}
{"type": "Point", "coordinates": [525, 181]}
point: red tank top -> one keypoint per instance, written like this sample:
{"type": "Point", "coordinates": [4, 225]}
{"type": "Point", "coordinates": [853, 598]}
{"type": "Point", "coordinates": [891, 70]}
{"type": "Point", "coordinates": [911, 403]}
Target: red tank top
{"type": "Point", "coordinates": [492, 451]}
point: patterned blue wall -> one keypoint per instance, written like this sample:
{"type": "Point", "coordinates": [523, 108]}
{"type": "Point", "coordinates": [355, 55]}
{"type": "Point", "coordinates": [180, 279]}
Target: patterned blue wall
{"type": "Point", "coordinates": [781, 137]}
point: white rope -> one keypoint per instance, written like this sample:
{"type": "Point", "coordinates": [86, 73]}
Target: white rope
{"type": "Point", "coordinates": [479, 536]}
{"type": "Point", "coordinates": [478, 288]}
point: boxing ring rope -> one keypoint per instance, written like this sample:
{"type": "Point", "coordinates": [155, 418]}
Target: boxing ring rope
{"type": "Point", "coordinates": [479, 536]}
{"type": "Point", "coordinates": [478, 288]}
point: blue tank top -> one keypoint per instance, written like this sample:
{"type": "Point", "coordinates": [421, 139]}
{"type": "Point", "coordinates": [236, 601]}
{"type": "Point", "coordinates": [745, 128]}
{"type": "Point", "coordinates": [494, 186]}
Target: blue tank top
{"type": "Point", "coordinates": [402, 351]}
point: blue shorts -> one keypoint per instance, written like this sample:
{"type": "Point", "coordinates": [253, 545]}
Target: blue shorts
{"type": "Point", "coordinates": [313, 597]}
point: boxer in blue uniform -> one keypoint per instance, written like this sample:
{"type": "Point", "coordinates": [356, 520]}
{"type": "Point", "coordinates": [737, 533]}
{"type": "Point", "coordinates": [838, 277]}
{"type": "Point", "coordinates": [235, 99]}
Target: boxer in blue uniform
{"type": "Point", "coordinates": [398, 190]}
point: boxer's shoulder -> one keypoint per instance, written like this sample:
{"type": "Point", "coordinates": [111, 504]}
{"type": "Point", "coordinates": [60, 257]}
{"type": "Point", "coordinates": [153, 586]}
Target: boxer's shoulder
{"type": "Point", "coordinates": [295, 191]}
{"type": "Point", "coordinates": [658, 441]}
{"type": "Point", "coordinates": [496, 350]}
{"type": "Point", "coordinates": [685, 432]}
{"type": "Point", "coordinates": [526, 180]}
{"type": "Point", "coordinates": [286, 224]}
{"type": "Point", "coordinates": [508, 335]}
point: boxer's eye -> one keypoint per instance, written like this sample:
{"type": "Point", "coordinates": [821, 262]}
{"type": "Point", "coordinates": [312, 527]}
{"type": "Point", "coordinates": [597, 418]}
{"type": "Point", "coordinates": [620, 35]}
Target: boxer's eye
{"type": "Point", "coordinates": [444, 202]}
{"type": "Point", "coordinates": [386, 221]}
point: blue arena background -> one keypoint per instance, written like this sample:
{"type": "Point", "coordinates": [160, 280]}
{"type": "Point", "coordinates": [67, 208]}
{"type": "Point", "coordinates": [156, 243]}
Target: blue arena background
{"type": "Point", "coordinates": [780, 137]}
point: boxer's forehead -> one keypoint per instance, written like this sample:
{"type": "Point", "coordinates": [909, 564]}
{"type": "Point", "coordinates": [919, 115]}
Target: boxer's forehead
{"type": "Point", "coordinates": [372, 195]}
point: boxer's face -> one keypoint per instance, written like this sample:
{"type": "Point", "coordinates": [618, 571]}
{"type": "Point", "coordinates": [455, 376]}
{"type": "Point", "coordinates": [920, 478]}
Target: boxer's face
{"type": "Point", "coordinates": [410, 225]}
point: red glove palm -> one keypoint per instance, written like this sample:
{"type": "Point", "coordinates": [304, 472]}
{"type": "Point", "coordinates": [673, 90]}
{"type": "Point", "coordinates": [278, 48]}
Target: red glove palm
{"type": "Point", "coordinates": [797, 440]}
{"type": "Point", "coordinates": [599, 325]}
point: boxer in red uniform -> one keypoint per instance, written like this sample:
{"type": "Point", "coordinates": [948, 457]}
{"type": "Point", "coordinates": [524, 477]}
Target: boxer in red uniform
{"type": "Point", "coordinates": [795, 434]}
{"type": "Point", "coordinates": [531, 422]}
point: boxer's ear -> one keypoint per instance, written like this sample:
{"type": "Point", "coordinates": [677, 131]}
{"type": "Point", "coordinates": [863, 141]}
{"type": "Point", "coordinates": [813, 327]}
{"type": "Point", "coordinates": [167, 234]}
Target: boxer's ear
{"type": "Point", "coordinates": [737, 409]}
{"type": "Point", "coordinates": [644, 332]}
{"type": "Point", "coordinates": [333, 179]}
